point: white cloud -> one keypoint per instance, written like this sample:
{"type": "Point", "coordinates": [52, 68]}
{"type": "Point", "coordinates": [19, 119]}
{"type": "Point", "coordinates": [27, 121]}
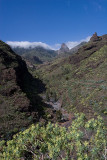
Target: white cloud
{"type": "Point", "coordinates": [56, 46]}
{"type": "Point", "coordinates": [27, 44]}
{"type": "Point", "coordinates": [72, 44]}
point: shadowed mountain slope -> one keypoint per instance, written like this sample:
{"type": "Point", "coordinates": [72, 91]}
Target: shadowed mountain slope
{"type": "Point", "coordinates": [20, 104]}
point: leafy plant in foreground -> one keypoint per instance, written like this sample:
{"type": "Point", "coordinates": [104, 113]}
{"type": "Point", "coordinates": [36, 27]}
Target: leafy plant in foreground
{"type": "Point", "coordinates": [82, 141]}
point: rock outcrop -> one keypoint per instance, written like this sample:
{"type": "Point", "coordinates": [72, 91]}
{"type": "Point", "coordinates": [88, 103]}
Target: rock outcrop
{"type": "Point", "coordinates": [95, 43]}
{"type": "Point", "coordinates": [95, 37]}
{"type": "Point", "coordinates": [63, 49]}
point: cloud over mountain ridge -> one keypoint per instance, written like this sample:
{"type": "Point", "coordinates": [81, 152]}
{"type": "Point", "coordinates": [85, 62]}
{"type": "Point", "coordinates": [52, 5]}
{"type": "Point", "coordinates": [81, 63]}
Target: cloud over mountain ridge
{"type": "Point", "coordinates": [27, 44]}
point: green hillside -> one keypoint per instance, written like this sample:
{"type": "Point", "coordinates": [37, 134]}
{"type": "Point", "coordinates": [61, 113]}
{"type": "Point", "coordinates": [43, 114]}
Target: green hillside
{"type": "Point", "coordinates": [58, 110]}
{"type": "Point", "coordinates": [80, 80]}
{"type": "Point", "coordinates": [83, 140]}
{"type": "Point", "coordinates": [36, 55]}
{"type": "Point", "coordinates": [20, 104]}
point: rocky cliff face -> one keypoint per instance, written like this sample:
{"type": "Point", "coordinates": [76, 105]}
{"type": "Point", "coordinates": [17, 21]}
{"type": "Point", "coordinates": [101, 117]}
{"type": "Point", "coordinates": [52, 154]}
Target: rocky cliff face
{"type": "Point", "coordinates": [19, 102]}
{"type": "Point", "coordinates": [95, 38]}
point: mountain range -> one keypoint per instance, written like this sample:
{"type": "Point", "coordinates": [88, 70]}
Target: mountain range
{"type": "Point", "coordinates": [39, 55]}
{"type": "Point", "coordinates": [76, 81]}
{"type": "Point", "coordinates": [36, 55]}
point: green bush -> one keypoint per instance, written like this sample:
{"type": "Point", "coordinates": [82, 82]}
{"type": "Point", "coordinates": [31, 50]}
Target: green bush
{"type": "Point", "coordinates": [84, 140]}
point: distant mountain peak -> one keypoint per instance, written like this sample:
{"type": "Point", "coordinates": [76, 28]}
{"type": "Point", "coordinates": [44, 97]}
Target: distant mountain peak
{"type": "Point", "coordinates": [64, 48]}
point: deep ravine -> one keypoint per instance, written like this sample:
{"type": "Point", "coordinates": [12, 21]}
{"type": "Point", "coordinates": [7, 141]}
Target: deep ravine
{"type": "Point", "coordinates": [67, 118]}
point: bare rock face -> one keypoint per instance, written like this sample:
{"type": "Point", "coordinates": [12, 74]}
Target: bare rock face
{"type": "Point", "coordinates": [63, 48]}
{"type": "Point", "coordinates": [95, 37]}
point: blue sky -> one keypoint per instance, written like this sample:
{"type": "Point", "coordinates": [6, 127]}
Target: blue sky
{"type": "Point", "coordinates": [52, 21]}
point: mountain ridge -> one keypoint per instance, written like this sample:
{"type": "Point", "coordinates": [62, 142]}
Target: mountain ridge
{"type": "Point", "coordinates": [39, 55]}
{"type": "Point", "coordinates": [36, 55]}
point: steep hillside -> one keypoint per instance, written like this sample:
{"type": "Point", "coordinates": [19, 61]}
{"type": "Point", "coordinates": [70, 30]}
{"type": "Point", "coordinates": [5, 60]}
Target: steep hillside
{"type": "Point", "coordinates": [80, 81]}
{"type": "Point", "coordinates": [36, 55]}
{"type": "Point", "coordinates": [20, 104]}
